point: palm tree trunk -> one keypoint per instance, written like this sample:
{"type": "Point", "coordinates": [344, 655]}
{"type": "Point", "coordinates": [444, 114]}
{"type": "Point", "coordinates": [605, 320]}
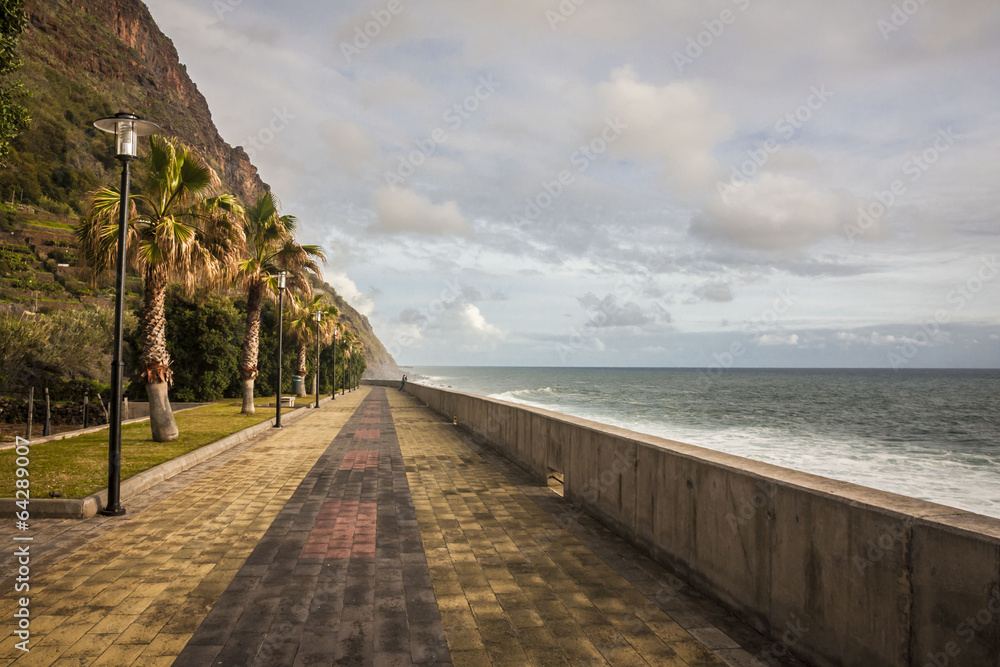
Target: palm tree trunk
{"type": "Point", "coordinates": [155, 358]}
{"type": "Point", "coordinates": [301, 390]}
{"type": "Point", "coordinates": [251, 345]}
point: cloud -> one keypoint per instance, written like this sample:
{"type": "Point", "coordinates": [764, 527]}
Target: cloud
{"type": "Point", "coordinates": [349, 291]}
{"type": "Point", "coordinates": [768, 340]}
{"type": "Point", "coordinates": [674, 124]}
{"type": "Point", "coordinates": [774, 211]}
{"type": "Point", "coordinates": [716, 291]}
{"type": "Point", "coordinates": [608, 314]}
{"type": "Point", "coordinates": [412, 316]}
{"type": "Point", "coordinates": [649, 201]}
{"type": "Point", "coordinates": [403, 210]}
{"type": "Point", "coordinates": [451, 324]}
{"type": "Point", "coordinates": [466, 325]}
{"type": "Point", "coordinates": [470, 293]}
{"type": "Point", "coordinates": [391, 88]}
{"type": "Point", "coordinates": [349, 143]}
{"type": "Point", "coordinates": [876, 339]}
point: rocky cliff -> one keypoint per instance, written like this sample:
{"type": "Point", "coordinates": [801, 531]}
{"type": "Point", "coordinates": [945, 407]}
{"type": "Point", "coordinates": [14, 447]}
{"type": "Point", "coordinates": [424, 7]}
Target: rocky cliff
{"type": "Point", "coordinates": [86, 59]}
{"type": "Point", "coordinates": [114, 49]}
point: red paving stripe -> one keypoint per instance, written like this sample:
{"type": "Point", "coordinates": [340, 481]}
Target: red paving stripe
{"type": "Point", "coordinates": [371, 420]}
{"type": "Point", "coordinates": [360, 538]}
{"type": "Point", "coordinates": [343, 529]}
{"type": "Point", "coordinates": [360, 459]}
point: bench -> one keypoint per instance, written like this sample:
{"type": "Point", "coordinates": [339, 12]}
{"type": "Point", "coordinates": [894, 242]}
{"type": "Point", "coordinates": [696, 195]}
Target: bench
{"type": "Point", "coordinates": [288, 401]}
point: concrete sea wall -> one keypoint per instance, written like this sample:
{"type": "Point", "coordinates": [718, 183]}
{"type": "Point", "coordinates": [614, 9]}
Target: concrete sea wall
{"type": "Point", "coordinates": [836, 573]}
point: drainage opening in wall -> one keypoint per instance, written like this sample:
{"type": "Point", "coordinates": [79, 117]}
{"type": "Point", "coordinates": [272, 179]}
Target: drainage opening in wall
{"type": "Point", "coordinates": [555, 481]}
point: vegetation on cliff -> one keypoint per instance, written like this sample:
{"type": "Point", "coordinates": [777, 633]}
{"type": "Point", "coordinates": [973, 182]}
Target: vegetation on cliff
{"type": "Point", "coordinates": [82, 60]}
{"type": "Point", "coordinates": [13, 116]}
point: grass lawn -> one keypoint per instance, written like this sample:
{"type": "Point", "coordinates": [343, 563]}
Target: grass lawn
{"type": "Point", "coordinates": [77, 467]}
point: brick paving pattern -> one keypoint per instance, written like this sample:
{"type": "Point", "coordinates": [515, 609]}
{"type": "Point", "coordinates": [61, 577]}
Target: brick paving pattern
{"type": "Point", "coordinates": [340, 578]}
{"type": "Point", "coordinates": [370, 533]}
{"type": "Point", "coordinates": [522, 578]}
{"type": "Point", "coordinates": [132, 590]}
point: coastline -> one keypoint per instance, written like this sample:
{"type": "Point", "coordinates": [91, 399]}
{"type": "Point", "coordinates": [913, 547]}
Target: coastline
{"type": "Point", "coordinates": [769, 543]}
{"type": "Point", "coordinates": [929, 434]}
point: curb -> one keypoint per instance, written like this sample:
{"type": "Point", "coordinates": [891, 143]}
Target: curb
{"type": "Point", "coordinates": [85, 508]}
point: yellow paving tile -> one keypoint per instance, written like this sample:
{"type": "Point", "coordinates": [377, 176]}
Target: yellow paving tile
{"type": "Point", "coordinates": [537, 595]}
{"type": "Point", "coordinates": [120, 600]}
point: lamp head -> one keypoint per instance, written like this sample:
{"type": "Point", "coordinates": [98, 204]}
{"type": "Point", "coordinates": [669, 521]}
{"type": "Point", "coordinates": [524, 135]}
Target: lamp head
{"type": "Point", "coordinates": [127, 128]}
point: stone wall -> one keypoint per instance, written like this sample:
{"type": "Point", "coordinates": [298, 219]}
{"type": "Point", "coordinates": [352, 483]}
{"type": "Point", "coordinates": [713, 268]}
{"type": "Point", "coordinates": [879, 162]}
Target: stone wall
{"type": "Point", "coordinates": [836, 573]}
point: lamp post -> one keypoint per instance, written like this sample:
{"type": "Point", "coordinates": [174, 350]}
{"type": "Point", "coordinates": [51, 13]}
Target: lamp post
{"type": "Point", "coordinates": [333, 396]}
{"type": "Point", "coordinates": [318, 316]}
{"type": "Point", "coordinates": [281, 308]}
{"type": "Point", "coordinates": [127, 129]}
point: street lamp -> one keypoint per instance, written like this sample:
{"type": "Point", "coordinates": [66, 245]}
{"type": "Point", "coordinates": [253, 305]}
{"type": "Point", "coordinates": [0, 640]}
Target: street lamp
{"type": "Point", "coordinates": [281, 308]}
{"type": "Point", "coordinates": [127, 129]}
{"type": "Point", "coordinates": [333, 396]}
{"type": "Point", "coordinates": [318, 316]}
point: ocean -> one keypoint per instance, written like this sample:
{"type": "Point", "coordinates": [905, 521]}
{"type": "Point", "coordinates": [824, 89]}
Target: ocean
{"type": "Point", "coordinates": [930, 434]}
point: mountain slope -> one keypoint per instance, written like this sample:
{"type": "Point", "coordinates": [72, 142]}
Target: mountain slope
{"type": "Point", "coordinates": [86, 59]}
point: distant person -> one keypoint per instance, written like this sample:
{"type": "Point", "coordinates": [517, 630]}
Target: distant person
{"type": "Point", "coordinates": [402, 383]}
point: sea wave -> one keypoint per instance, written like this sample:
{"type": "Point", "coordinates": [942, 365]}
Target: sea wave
{"type": "Point", "coordinates": [930, 434]}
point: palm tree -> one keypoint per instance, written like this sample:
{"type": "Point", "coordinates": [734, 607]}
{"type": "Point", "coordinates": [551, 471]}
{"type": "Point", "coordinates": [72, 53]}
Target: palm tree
{"type": "Point", "coordinates": [301, 326]}
{"type": "Point", "coordinates": [269, 249]}
{"type": "Point", "coordinates": [339, 357]}
{"type": "Point", "coordinates": [350, 345]}
{"type": "Point", "coordinates": [327, 328]}
{"type": "Point", "coordinates": [178, 232]}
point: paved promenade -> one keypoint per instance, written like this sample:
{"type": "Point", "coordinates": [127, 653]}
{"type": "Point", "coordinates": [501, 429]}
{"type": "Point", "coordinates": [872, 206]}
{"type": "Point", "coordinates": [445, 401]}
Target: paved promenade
{"type": "Point", "coordinates": [370, 532]}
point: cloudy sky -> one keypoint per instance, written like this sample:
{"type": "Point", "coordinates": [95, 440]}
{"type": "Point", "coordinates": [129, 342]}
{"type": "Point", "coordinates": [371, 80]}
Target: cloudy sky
{"type": "Point", "coordinates": [646, 183]}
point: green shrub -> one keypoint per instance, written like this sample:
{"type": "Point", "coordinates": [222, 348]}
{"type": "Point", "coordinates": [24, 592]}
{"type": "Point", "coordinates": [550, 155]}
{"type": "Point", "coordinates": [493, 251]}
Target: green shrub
{"type": "Point", "coordinates": [203, 337]}
{"type": "Point", "coordinates": [62, 256]}
{"type": "Point", "coordinates": [14, 259]}
{"type": "Point", "coordinates": [55, 206]}
{"type": "Point", "coordinates": [74, 390]}
{"type": "Point", "coordinates": [30, 284]}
